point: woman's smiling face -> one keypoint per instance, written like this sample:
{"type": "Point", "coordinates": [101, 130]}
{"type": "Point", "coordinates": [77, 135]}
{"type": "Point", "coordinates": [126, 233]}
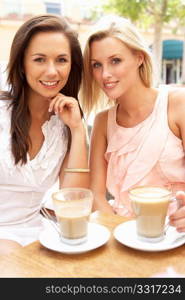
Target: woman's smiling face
{"type": "Point", "coordinates": [47, 63]}
{"type": "Point", "coordinates": [114, 66]}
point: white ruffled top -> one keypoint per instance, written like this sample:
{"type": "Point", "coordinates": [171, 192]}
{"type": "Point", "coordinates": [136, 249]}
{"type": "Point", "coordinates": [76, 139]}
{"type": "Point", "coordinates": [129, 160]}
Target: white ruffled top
{"type": "Point", "coordinates": [22, 187]}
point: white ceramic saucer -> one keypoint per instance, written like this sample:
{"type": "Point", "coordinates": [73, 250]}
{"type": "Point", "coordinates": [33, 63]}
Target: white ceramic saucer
{"type": "Point", "coordinates": [98, 235]}
{"type": "Point", "coordinates": [125, 233]}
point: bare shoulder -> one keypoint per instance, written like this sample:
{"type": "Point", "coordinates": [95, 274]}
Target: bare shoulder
{"type": "Point", "coordinates": [176, 110]}
{"type": "Point", "coordinates": [100, 121]}
{"type": "Point", "coordinates": [177, 97]}
{"type": "Point", "coordinates": [101, 116]}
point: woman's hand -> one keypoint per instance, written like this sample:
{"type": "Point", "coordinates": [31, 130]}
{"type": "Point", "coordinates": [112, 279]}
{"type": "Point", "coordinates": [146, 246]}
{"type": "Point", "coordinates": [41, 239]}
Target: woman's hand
{"type": "Point", "coordinates": [177, 219]}
{"type": "Point", "coordinates": [68, 110]}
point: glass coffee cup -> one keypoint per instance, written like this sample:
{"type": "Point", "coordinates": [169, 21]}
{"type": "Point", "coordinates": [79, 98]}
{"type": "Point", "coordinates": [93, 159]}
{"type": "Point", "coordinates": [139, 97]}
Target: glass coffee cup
{"type": "Point", "coordinates": [150, 205]}
{"type": "Point", "coordinates": [73, 207]}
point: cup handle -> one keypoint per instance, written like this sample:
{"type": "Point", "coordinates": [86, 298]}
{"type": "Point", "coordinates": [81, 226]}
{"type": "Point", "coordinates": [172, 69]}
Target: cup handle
{"type": "Point", "coordinates": [179, 202]}
{"type": "Point", "coordinates": [166, 227]}
{"type": "Point", "coordinates": [178, 205]}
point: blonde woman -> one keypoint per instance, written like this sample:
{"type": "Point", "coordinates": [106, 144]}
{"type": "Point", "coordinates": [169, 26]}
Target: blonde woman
{"type": "Point", "coordinates": [140, 139]}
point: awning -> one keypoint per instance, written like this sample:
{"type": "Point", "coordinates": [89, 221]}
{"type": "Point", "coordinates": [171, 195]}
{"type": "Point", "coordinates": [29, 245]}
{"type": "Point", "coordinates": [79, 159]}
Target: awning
{"type": "Point", "coordinates": [172, 49]}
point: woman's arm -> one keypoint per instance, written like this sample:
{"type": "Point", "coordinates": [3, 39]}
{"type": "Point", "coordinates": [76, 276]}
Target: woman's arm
{"type": "Point", "coordinates": [77, 157]}
{"type": "Point", "coordinates": [177, 124]}
{"type": "Point", "coordinates": [98, 164]}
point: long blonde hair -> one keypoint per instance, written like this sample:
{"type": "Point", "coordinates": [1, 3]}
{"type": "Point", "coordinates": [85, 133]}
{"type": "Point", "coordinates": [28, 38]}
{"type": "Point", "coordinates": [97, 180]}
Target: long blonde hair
{"type": "Point", "coordinates": [123, 30]}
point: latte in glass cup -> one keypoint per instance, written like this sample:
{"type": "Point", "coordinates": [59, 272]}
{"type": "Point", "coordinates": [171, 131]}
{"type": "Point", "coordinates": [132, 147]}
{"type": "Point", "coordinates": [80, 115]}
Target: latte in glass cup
{"type": "Point", "coordinates": [150, 205]}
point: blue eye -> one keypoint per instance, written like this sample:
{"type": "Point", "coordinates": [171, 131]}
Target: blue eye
{"type": "Point", "coordinates": [116, 60]}
{"type": "Point", "coordinates": [96, 65]}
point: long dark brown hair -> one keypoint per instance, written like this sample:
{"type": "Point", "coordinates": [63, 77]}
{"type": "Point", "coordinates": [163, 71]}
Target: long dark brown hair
{"type": "Point", "coordinates": [21, 117]}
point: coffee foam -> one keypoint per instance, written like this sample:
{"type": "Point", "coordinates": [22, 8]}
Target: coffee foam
{"type": "Point", "coordinates": [152, 194]}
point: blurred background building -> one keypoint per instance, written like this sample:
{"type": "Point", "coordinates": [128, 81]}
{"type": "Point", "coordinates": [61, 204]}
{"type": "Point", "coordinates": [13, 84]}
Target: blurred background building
{"type": "Point", "coordinates": [82, 14]}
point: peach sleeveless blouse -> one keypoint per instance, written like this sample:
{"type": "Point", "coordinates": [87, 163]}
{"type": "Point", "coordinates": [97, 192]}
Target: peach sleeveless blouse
{"type": "Point", "coordinates": [148, 153]}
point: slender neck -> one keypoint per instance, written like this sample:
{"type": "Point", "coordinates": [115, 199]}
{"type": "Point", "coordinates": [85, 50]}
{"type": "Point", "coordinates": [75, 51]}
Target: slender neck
{"type": "Point", "coordinates": [137, 100]}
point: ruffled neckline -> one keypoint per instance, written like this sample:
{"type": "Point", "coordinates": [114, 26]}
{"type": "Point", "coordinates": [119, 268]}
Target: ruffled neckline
{"type": "Point", "coordinates": [130, 153]}
{"type": "Point", "coordinates": [47, 126]}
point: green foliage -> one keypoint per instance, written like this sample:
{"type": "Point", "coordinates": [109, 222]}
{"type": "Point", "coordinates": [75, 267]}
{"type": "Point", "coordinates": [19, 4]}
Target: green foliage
{"type": "Point", "coordinates": [175, 9]}
{"type": "Point", "coordinates": [132, 9]}
{"type": "Point", "coordinates": [148, 11]}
